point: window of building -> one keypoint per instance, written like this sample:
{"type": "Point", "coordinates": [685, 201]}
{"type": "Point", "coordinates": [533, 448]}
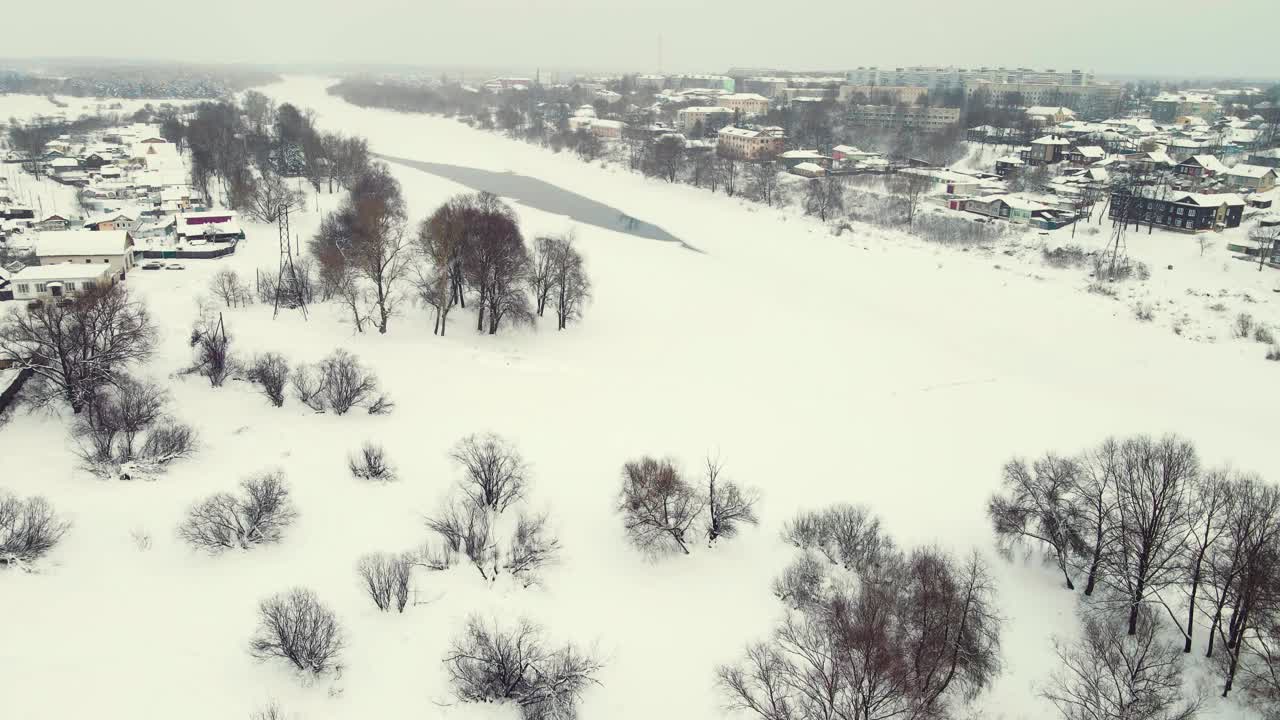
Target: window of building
{"type": "Point", "coordinates": [1179, 211]}
{"type": "Point", "coordinates": [40, 287]}
{"type": "Point", "coordinates": [24, 288]}
{"type": "Point", "coordinates": [71, 286]}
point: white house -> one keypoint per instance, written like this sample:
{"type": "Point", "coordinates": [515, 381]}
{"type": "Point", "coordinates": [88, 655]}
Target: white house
{"type": "Point", "coordinates": [110, 249]}
{"type": "Point", "coordinates": [211, 225]}
{"type": "Point", "coordinates": [41, 282]}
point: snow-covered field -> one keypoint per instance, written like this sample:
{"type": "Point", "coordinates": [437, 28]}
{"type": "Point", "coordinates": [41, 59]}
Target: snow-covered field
{"type": "Point", "coordinates": [866, 368]}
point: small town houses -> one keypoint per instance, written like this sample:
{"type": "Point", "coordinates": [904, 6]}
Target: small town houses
{"type": "Point", "coordinates": [112, 248]}
{"type": "Point", "coordinates": [1179, 211]}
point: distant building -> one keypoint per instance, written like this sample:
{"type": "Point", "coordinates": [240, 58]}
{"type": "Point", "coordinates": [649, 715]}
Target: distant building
{"type": "Point", "coordinates": [900, 116]}
{"type": "Point", "coordinates": [882, 94]}
{"type": "Point", "coordinates": [747, 104]}
{"type": "Point", "coordinates": [87, 247]}
{"type": "Point", "coordinates": [607, 129]}
{"type": "Point", "coordinates": [1092, 99]}
{"type": "Point", "coordinates": [1050, 115]}
{"type": "Point", "coordinates": [1200, 166]}
{"type": "Point", "coordinates": [749, 144]}
{"type": "Point", "coordinates": [210, 226]}
{"type": "Point", "coordinates": [1168, 107]}
{"type": "Point", "coordinates": [1267, 158]}
{"type": "Point", "coordinates": [1048, 150]}
{"type": "Point", "coordinates": [954, 78]}
{"type": "Point", "coordinates": [705, 82]}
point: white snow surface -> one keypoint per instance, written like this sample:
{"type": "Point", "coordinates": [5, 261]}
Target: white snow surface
{"type": "Point", "coordinates": [864, 368]}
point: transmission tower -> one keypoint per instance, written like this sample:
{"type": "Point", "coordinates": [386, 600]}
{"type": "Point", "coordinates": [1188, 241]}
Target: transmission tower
{"type": "Point", "coordinates": [287, 278]}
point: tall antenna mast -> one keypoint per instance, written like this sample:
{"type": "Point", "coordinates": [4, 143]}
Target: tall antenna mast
{"type": "Point", "coordinates": [659, 53]}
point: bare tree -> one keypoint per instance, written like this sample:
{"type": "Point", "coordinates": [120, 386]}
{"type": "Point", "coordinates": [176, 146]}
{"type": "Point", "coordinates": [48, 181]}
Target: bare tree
{"type": "Point", "coordinates": [800, 584]}
{"type": "Point", "coordinates": [764, 180]}
{"type": "Point", "coordinates": [669, 156]}
{"type": "Point", "coordinates": [440, 243]}
{"type": "Point", "coordinates": [28, 529]}
{"type": "Point", "coordinates": [125, 425]}
{"type": "Point", "coordinates": [1095, 495]}
{"type": "Point", "coordinates": [228, 287]}
{"type": "Point", "coordinates": [271, 372]}
{"type": "Point", "coordinates": [728, 506]}
{"type": "Point", "coordinates": [212, 347]}
{"type": "Point", "coordinates": [541, 260]}
{"type": "Point", "coordinates": [911, 192]}
{"type": "Point", "coordinates": [308, 387]}
{"type": "Point", "coordinates": [658, 506]}
{"type": "Point", "coordinates": [224, 521]}
{"type": "Point", "coordinates": [365, 241]}
{"type": "Point", "coordinates": [846, 535]}
{"type": "Point", "coordinates": [386, 579]}
{"type": "Point", "coordinates": [465, 529]}
{"type": "Point", "coordinates": [825, 197]}
{"type": "Point", "coordinates": [1209, 510]}
{"type": "Point", "coordinates": [572, 287]}
{"type": "Point", "coordinates": [345, 383]}
{"type": "Point", "coordinates": [296, 627]}
{"type": "Point", "coordinates": [270, 711]}
{"type": "Point", "coordinates": [1109, 673]}
{"type": "Point", "coordinates": [495, 474]}
{"type": "Point", "coordinates": [76, 348]}
{"type": "Point", "coordinates": [1153, 490]}
{"type": "Point", "coordinates": [489, 663]}
{"type": "Point", "coordinates": [1039, 505]}
{"type": "Point", "coordinates": [272, 198]}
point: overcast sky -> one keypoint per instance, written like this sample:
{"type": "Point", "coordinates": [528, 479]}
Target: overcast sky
{"type": "Point", "coordinates": [1168, 37]}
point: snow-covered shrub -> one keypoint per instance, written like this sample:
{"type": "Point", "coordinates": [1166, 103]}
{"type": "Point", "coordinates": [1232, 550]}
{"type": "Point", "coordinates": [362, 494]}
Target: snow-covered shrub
{"type": "Point", "coordinates": [339, 382]}
{"type": "Point", "coordinates": [847, 535]}
{"type": "Point", "coordinates": [307, 387]}
{"type": "Point", "coordinates": [270, 371]}
{"type": "Point", "coordinates": [1273, 352]}
{"type": "Point", "coordinates": [1098, 288]}
{"type": "Point", "coordinates": [125, 431]}
{"type": "Point", "coordinates": [228, 287]}
{"type": "Point", "coordinates": [1144, 312]}
{"type": "Point", "coordinates": [224, 521]}
{"type": "Point", "coordinates": [1243, 325]}
{"type": "Point", "coordinates": [370, 464]}
{"type": "Point", "coordinates": [489, 663]}
{"type": "Point", "coordinates": [211, 344]}
{"type": "Point", "coordinates": [386, 579]}
{"type": "Point", "coordinates": [800, 584]}
{"type": "Point", "coordinates": [295, 626]}
{"type": "Point", "coordinates": [28, 529]}
{"type": "Point", "coordinates": [1067, 256]}
{"type": "Point", "coordinates": [1264, 335]}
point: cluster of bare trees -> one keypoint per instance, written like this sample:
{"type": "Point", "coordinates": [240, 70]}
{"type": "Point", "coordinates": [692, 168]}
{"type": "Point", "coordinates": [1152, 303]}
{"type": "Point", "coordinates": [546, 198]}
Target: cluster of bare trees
{"type": "Point", "coordinates": [270, 372]}
{"type": "Point", "coordinates": [871, 632]}
{"type": "Point", "coordinates": [126, 431]}
{"type": "Point", "coordinates": [211, 346]}
{"type": "Point", "coordinates": [295, 626]}
{"type": "Point", "coordinates": [364, 249]}
{"type": "Point", "coordinates": [472, 246]}
{"type": "Point", "coordinates": [1154, 532]}
{"type": "Point", "coordinates": [77, 348]}
{"type": "Point", "coordinates": [664, 513]}
{"type": "Point", "coordinates": [338, 383]}
{"type": "Point", "coordinates": [228, 287]}
{"type": "Point", "coordinates": [470, 526]}
{"type": "Point", "coordinates": [489, 662]}
{"type": "Point", "coordinates": [225, 521]}
{"type": "Point", "coordinates": [29, 528]}
{"type": "Point", "coordinates": [386, 579]}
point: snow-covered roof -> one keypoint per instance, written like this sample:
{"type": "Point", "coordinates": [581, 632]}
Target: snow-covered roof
{"type": "Point", "coordinates": [109, 217]}
{"type": "Point", "coordinates": [802, 155]}
{"type": "Point", "coordinates": [744, 96]}
{"type": "Point", "coordinates": [81, 242]}
{"type": "Point", "coordinates": [809, 167]}
{"type": "Point", "coordinates": [1250, 171]}
{"type": "Point", "coordinates": [64, 162]}
{"type": "Point", "coordinates": [62, 271]}
{"type": "Point", "coordinates": [616, 124]}
{"type": "Point", "coordinates": [1208, 162]}
{"type": "Point", "coordinates": [1091, 151]}
{"type": "Point", "coordinates": [1051, 140]}
{"type": "Point", "coordinates": [1044, 110]}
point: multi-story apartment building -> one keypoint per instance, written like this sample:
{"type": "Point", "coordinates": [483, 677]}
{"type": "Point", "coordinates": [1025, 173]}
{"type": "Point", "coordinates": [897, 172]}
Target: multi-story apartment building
{"type": "Point", "coordinates": [902, 116]}
{"type": "Point", "coordinates": [708, 117]}
{"type": "Point", "coordinates": [745, 103]}
{"type": "Point", "coordinates": [705, 82]}
{"type": "Point", "coordinates": [770, 87]}
{"type": "Point", "coordinates": [1182, 211]}
{"type": "Point", "coordinates": [954, 78]}
{"type": "Point", "coordinates": [748, 144]}
{"type": "Point", "coordinates": [1097, 99]}
{"type": "Point", "coordinates": [883, 94]}
{"type": "Point", "coordinates": [1168, 107]}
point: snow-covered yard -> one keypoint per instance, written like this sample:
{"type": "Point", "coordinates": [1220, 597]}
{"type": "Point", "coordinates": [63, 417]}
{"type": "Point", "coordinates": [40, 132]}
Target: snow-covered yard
{"type": "Point", "coordinates": [866, 368]}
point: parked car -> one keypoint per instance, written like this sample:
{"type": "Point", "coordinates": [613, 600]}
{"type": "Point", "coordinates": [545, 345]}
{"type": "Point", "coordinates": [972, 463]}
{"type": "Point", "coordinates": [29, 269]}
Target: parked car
{"type": "Point", "coordinates": [175, 266]}
{"type": "Point", "coordinates": [152, 265]}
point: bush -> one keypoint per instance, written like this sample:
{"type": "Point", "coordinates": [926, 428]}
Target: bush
{"type": "Point", "coordinates": [212, 345]}
{"type": "Point", "coordinates": [225, 522]}
{"type": "Point", "coordinates": [124, 431]}
{"type": "Point", "coordinates": [270, 371]}
{"type": "Point", "coordinates": [1144, 312]}
{"type": "Point", "coordinates": [1067, 256]}
{"type": "Point", "coordinates": [488, 663]}
{"type": "Point", "coordinates": [386, 579]}
{"type": "Point", "coordinates": [1273, 352]}
{"type": "Point", "coordinates": [345, 382]}
{"type": "Point", "coordinates": [371, 464]}
{"type": "Point", "coordinates": [1098, 288]}
{"type": "Point", "coordinates": [296, 627]}
{"type": "Point", "coordinates": [1243, 325]}
{"type": "Point", "coordinates": [28, 529]}
{"type": "Point", "coordinates": [307, 388]}
{"type": "Point", "coordinates": [658, 506]}
{"type": "Point", "coordinates": [1263, 335]}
